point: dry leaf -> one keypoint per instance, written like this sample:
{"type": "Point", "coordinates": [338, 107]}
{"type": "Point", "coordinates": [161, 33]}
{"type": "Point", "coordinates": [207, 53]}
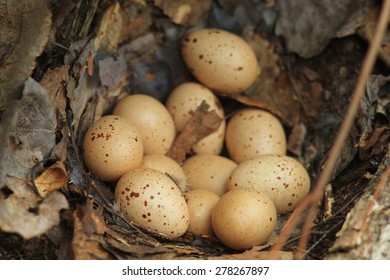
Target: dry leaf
{"type": "Point", "coordinates": [30, 219]}
{"type": "Point", "coordinates": [28, 137]}
{"type": "Point", "coordinates": [272, 90]}
{"type": "Point", "coordinates": [307, 26]}
{"type": "Point", "coordinates": [25, 27]}
{"type": "Point", "coordinates": [54, 178]}
{"type": "Point", "coordinates": [201, 124]}
{"type": "Point", "coordinates": [136, 20]}
{"type": "Point", "coordinates": [109, 29]}
{"type": "Point", "coordinates": [366, 232]}
{"type": "Point", "coordinates": [28, 132]}
{"type": "Point", "coordinates": [87, 231]}
{"type": "Point", "coordinates": [367, 31]}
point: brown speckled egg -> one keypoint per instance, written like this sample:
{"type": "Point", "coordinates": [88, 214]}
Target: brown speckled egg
{"type": "Point", "coordinates": [168, 166]}
{"type": "Point", "coordinates": [209, 172]}
{"type": "Point", "coordinates": [243, 218]}
{"type": "Point", "coordinates": [252, 132]}
{"type": "Point", "coordinates": [183, 102]}
{"type": "Point", "coordinates": [152, 120]}
{"type": "Point", "coordinates": [221, 60]}
{"type": "Point", "coordinates": [201, 204]}
{"type": "Point", "coordinates": [281, 177]}
{"type": "Point", "coordinates": [111, 147]}
{"type": "Point", "coordinates": [151, 199]}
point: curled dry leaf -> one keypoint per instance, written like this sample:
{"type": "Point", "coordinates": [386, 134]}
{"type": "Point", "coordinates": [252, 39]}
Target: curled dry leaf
{"type": "Point", "coordinates": [52, 179]}
{"type": "Point", "coordinates": [25, 27]}
{"type": "Point", "coordinates": [31, 219]}
{"type": "Point", "coordinates": [307, 26]}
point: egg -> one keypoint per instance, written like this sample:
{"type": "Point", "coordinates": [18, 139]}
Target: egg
{"type": "Point", "coordinates": [281, 177]}
{"type": "Point", "coordinates": [221, 60]}
{"type": "Point", "coordinates": [168, 166]}
{"type": "Point", "coordinates": [183, 102]}
{"type": "Point", "coordinates": [243, 218]}
{"type": "Point", "coordinates": [201, 204]}
{"type": "Point", "coordinates": [151, 199]}
{"type": "Point", "coordinates": [252, 132]}
{"type": "Point", "coordinates": [111, 147]}
{"type": "Point", "coordinates": [208, 172]}
{"type": "Point", "coordinates": [151, 118]}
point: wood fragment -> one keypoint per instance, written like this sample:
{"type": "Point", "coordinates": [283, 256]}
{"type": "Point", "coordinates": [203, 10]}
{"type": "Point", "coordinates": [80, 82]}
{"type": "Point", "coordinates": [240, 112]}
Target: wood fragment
{"type": "Point", "coordinates": [202, 123]}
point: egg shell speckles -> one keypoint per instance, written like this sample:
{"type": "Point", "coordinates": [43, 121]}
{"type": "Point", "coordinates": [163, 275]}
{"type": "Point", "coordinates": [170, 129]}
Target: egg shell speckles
{"type": "Point", "coordinates": [220, 60]}
{"type": "Point", "coordinates": [209, 172]}
{"type": "Point", "coordinates": [183, 102]}
{"type": "Point", "coordinates": [111, 147]}
{"type": "Point", "coordinates": [151, 199]}
{"type": "Point", "coordinates": [281, 177]}
{"type": "Point", "coordinates": [243, 218]}
{"type": "Point", "coordinates": [152, 119]}
{"type": "Point", "coordinates": [253, 132]}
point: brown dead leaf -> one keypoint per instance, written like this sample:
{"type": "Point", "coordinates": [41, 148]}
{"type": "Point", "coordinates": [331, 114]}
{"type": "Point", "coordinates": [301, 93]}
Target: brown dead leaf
{"type": "Point", "coordinates": [54, 81]}
{"type": "Point", "coordinates": [109, 29]}
{"type": "Point", "coordinates": [25, 27]}
{"type": "Point", "coordinates": [272, 90]}
{"type": "Point", "coordinates": [136, 20]}
{"type": "Point", "coordinates": [87, 232]}
{"type": "Point", "coordinates": [54, 178]}
{"type": "Point", "coordinates": [374, 143]}
{"type": "Point", "coordinates": [201, 124]}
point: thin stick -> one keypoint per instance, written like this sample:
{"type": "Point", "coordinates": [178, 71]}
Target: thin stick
{"type": "Point", "coordinates": [315, 196]}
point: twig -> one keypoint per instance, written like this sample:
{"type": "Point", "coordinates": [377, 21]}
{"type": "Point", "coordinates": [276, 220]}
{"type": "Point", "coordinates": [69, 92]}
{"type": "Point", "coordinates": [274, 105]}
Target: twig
{"type": "Point", "coordinates": [313, 199]}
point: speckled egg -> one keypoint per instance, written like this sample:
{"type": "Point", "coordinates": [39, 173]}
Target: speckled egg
{"type": "Point", "coordinates": [152, 120]}
{"type": "Point", "coordinates": [201, 204]}
{"type": "Point", "coordinates": [168, 166]}
{"type": "Point", "coordinates": [281, 177]}
{"type": "Point", "coordinates": [111, 147]}
{"type": "Point", "coordinates": [243, 218]}
{"type": "Point", "coordinates": [183, 102]}
{"type": "Point", "coordinates": [221, 60]}
{"type": "Point", "coordinates": [209, 172]}
{"type": "Point", "coordinates": [151, 199]}
{"type": "Point", "coordinates": [252, 132]}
